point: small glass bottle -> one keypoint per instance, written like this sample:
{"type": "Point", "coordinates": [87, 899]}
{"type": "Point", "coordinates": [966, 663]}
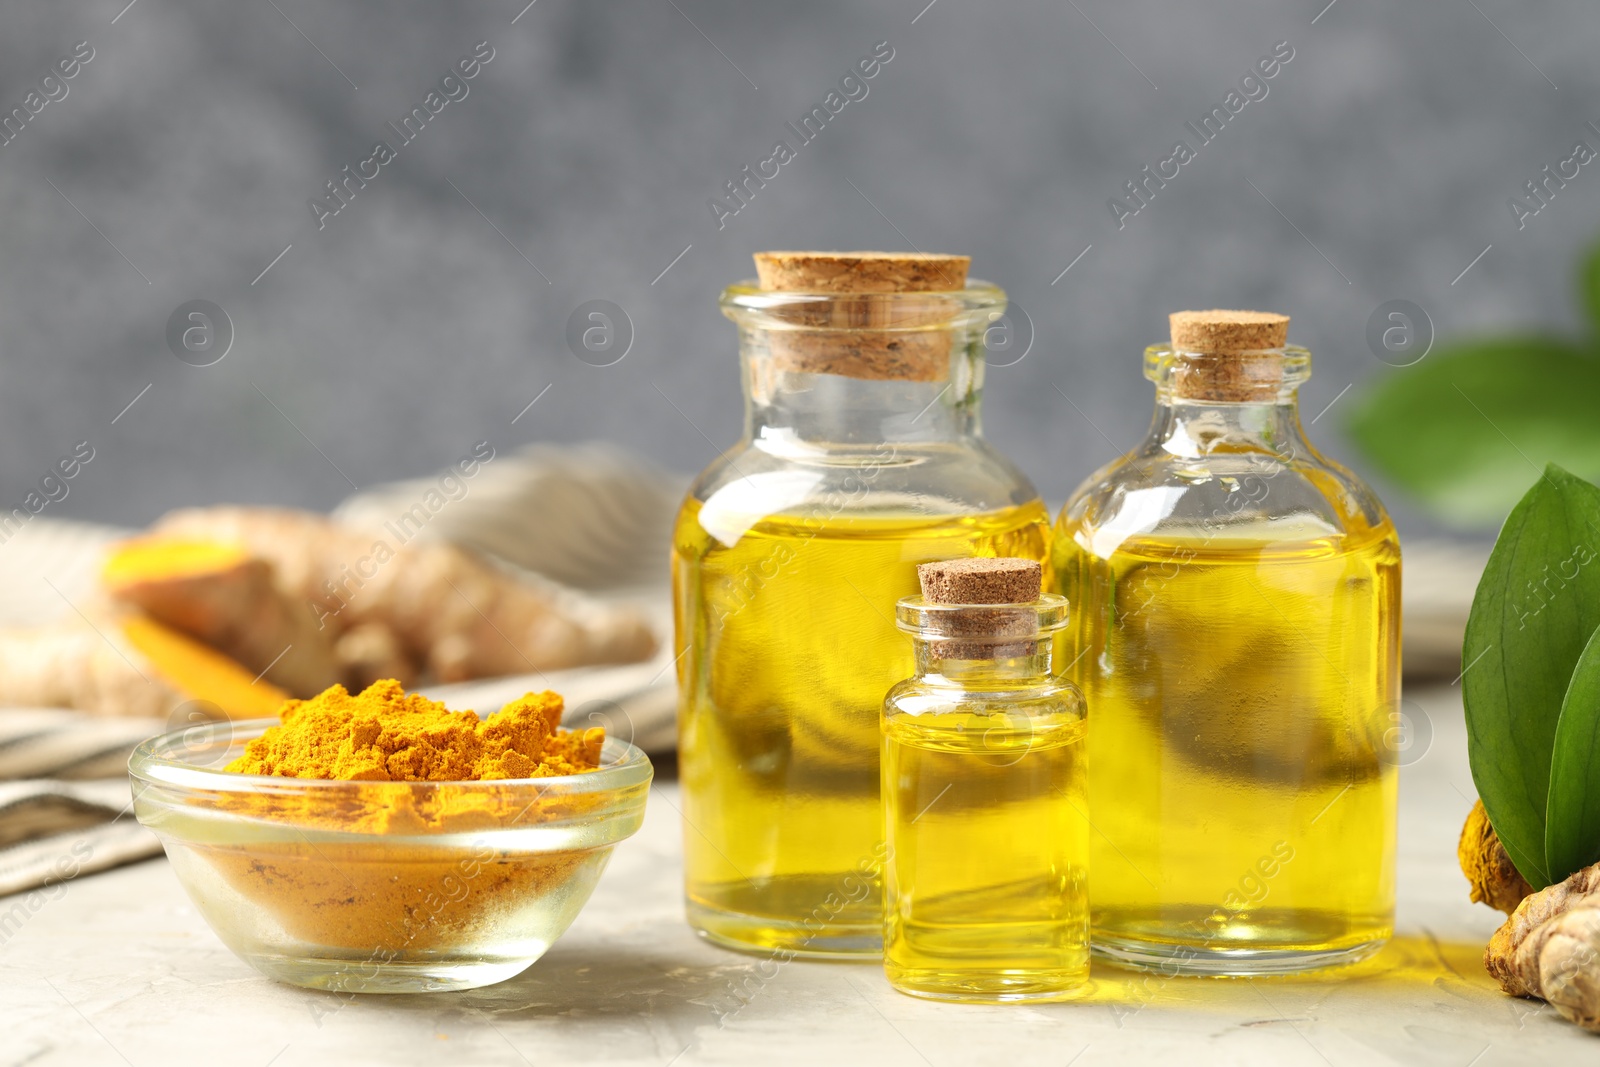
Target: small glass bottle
{"type": "Point", "coordinates": [1236, 628]}
{"type": "Point", "coordinates": [863, 456]}
{"type": "Point", "coordinates": [985, 889]}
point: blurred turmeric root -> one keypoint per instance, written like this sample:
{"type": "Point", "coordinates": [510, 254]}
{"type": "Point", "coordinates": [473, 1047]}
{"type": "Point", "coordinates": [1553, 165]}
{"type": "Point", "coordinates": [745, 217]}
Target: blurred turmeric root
{"type": "Point", "coordinates": [239, 606]}
{"type": "Point", "coordinates": [450, 612]}
{"type": "Point", "coordinates": [1494, 878]}
{"type": "Point", "coordinates": [127, 665]}
{"type": "Point", "coordinates": [1549, 947]}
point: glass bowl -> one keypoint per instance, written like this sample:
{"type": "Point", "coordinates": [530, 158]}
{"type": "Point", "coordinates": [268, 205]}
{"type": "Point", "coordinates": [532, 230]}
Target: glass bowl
{"type": "Point", "coordinates": [382, 887]}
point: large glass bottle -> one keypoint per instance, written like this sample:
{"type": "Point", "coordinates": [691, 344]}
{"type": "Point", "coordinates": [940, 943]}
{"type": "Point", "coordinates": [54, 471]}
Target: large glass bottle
{"type": "Point", "coordinates": [862, 457]}
{"type": "Point", "coordinates": [1236, 632]}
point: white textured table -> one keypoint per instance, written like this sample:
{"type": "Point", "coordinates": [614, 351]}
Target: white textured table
{"type": "Point", "coordinates": [121, 969]}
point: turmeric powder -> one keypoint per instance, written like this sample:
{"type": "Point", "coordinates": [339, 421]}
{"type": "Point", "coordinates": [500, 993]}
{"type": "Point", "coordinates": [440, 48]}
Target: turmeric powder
{"type": "Point", "coordinates": [385, 735]}
{"type": "Point", "coordinates": [432, 875]}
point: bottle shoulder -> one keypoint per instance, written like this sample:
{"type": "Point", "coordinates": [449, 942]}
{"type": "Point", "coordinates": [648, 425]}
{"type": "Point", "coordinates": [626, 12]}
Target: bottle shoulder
{"type": "Point", "coordinates": [1253, 494]}
{"type": "Point", "coordinates": [946, 477]}
{"type": "Point", "coordinates": [1053, 696]}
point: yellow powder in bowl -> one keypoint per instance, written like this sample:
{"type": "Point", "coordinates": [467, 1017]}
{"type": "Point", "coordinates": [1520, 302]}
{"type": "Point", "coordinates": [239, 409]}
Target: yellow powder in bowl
{"type": "Point", "coordinates": [406, 894]}
{"type": "Point", "coordinates": [384, 734]}
{"type": "Point", "coordinates": [358, 899]}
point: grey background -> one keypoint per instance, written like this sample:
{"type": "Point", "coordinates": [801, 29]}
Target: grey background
{"type": "Point", "coordinates": [409, 328]}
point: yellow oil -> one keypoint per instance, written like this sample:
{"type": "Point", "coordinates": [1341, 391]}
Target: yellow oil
{"type": "Point", "coordinates": [986, 882]}
{"type": "Point", "coordinates": [1241, 794]}
{"type": "Point", "coordinates": [787, 646]}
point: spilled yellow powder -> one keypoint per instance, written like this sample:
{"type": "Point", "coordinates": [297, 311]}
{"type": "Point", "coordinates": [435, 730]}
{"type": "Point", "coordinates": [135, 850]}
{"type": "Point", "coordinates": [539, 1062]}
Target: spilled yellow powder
{"type": "Point", "coordinates": [384, 734]}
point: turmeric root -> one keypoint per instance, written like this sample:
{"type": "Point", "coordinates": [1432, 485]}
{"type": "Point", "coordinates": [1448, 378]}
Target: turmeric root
{"type": "Point", "coordinates": [1494, 878]}
{"type": "Point", "coordinates": [453, 614]}
{"type": "Point", "coordinates": [370, 653]}
{"type": "Point", "coordinates": [201, 673]}
{"type": "Point", "coordinates": [227, 599]}
{"type": "Point", "coordinates": [1550, 948]}
{"type": "Point", "coordinates": [236, 605]}
{"type": "Point", "coordinates": [131, 666]}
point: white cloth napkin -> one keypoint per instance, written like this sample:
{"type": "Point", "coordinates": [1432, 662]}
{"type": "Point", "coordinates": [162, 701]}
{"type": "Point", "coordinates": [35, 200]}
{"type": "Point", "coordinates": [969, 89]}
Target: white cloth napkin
{"type": "Point", "coordinates": [65, 805]}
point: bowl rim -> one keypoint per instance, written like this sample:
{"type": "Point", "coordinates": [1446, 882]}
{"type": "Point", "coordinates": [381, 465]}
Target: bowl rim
{"type": "Point", "coordinates": [151, 764]}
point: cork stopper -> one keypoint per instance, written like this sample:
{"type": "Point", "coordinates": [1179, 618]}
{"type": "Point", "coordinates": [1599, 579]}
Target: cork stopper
{"type": "Point", "coordinates": [996, 597]}
{"type": "Point", "coordinates": [864, 332]}
{"type": "Point", "coordinates": [1228, 332]}
{"type": "Point", "coordinates": [981, 581]}
{"type": "Point", "coordinates": [861, 272]}
{"type": "Point", "coordinates": [1228, 356]}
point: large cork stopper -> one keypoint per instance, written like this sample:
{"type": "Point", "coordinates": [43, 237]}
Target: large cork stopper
{"type": "Point", "coordinates": [864, 332]}
{"type": "Point", "coordinates": [1000, 593]}
{"type": "Point", "coordinates": [861, 272]}
{"type": "Point", "coordinates": [1229, 356]}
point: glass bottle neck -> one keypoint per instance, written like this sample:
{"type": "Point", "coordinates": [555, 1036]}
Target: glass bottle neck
{"type": "Point", "coordinates": [1184, 427]}
{"type": "Point", "coordinates": [786, 406]}
{"type": "Point", "coordinates": [1241, 402]}
{"type": "Point", "coordinates": [1030, 667]}
{"type": "Point", "coordinates": [843, 368]}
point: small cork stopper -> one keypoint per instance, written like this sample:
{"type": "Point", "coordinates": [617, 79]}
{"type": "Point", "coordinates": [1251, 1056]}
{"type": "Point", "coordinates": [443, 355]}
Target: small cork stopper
{"type": "Point", "coordinates": [981, 581]}
{"type": "Point", "coordinates": [1228, 356]}
{"type": "Point", "coordinates": [861, 272]}
{"type": "Point", "coordinates": [996, 597]}
{"type": "Point", "coordinates": [871, 337]}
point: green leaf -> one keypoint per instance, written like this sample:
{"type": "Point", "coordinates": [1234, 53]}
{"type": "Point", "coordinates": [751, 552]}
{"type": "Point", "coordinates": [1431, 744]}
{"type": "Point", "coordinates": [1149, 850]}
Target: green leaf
{"type": "Point", "coordinates": [1528, 625]}
{"type": "Point", "coordinates": [1468, 428]}
{"type": "Point", "coordinates": [1589, 285]}
{"type": "Point", "coordinates": [1572, 823]}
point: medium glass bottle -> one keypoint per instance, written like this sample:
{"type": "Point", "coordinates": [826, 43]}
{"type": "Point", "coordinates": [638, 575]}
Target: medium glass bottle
{"type": "Point", "coordinates": [986, 882]}
{"type": "Point", "coordinates": [862, 457]}
{"type": "Point", "coordinates": [1236, 629]}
